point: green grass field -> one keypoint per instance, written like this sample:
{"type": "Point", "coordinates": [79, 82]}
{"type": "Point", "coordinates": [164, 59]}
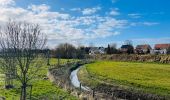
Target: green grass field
{"type": "Point", "coordinates": [144, 77]}
{"type": "Point", "coordinates": [41, 88]}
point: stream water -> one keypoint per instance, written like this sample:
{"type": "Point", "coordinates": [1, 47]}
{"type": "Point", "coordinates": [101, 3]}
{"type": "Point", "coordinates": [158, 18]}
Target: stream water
{"type": "Point", "coordinates": [75, 81]}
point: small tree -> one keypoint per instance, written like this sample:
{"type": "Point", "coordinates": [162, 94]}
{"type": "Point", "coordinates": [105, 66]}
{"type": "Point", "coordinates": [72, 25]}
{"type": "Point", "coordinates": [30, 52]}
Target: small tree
{"type": "Point", "coordinates": [25, 41]}
{"type": "Point", "coordinates": [128, 42]}
{"type": "Point", "coordinates": [65, 50]}
{"type": "Point", "coordinates": [48, 56]}
{"type": "Point", "coordinates": [80, 52]}
{"type": "Point", "coordinates": [130, 48]}
{"type": "Point", "coordinates": [108, 49]}
{"type": "Point", "coordinates": [113, 48]}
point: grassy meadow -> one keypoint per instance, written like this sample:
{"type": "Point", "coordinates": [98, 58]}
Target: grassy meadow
{"type": "Point", "coordinates": [145, 77]}
{"type": "Point", "coordinates": [41, 88]}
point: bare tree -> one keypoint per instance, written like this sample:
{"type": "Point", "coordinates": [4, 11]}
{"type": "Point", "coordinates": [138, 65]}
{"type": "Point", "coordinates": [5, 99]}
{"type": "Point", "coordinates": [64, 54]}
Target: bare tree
{"type": "Point", "coordinates": [111, 49]}
{"type": "Point", "coordinates": [113, 45]}
{"type": "Point", "coordinates": [21, 42]}
{"type": "Point", "coordinates": [128, 42]}
{"type": "Point", "coordinates": [65, 50]}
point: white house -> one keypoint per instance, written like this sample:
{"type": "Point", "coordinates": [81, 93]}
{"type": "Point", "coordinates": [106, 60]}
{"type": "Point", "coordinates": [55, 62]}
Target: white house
{"type": "Point", "coordinates": [161, 49]}
{"type": "Point", "coordinates": [96, 50]}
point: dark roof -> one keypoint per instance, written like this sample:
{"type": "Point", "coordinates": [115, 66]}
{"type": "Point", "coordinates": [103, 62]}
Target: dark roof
{"type": "Point", "coordinates": [126, 46]}
{"type": "Point", "coordinates": [146, 46]}
{"type": "Point", "coordinates": [162, 46]}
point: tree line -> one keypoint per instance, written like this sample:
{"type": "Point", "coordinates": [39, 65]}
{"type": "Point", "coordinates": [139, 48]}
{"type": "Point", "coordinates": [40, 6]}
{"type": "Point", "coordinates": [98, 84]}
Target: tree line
{"type": "Point", "coordinates": [69, 51]}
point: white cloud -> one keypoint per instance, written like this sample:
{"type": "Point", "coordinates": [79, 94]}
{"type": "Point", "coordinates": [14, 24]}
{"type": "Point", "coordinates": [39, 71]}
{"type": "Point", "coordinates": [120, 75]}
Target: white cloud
{"type": "Point", "coordinates": [39, 8]}
{"type": "Point", "coordinates": [75, 9]}
{"type": "Point", "coordinates": [135, 15]}
{"type": "Point", "coordinates": [62, 27]}
{"type": "Point", "coordinates": [150, 23]}
{"type": "Point", "coordinates": [6, 2]}
{"type": "Point", "coordinates": [114, 12]}
{"type": "Point", "coordinates": [143, 23]}
{"type": "Point", "coordinates": [108, 27]}
{"type": "Point", "coordinates": [89, 11]}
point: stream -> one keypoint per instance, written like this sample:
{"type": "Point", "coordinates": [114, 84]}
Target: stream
{"type": "Point", "coordinates": [75, 81]}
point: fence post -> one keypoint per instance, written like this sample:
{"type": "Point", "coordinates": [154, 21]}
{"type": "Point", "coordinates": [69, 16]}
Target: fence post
{"type": "Point", "coordinates": [48, 57]}
{"type": "Point", "coordinates": [80, 87]}
{"type": "Point", "coordinates": [93, 93]}
{"type": "Point", "coordinates": [31, 92]}
{"type": "Point", "coordinates": [21, 92]}
{"type": "Point", "coordinates": [58, 61]}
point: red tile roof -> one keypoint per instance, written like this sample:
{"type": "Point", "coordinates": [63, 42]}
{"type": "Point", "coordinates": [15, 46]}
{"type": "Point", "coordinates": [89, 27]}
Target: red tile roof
{"type": "Point", "coordinates": [146, 46]}
{"type": "Point", "coordinates": [162, 46]}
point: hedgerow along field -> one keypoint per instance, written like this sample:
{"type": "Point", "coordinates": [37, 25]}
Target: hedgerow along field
{"type": "Point", "coordinates": [41, 88]}
{"type": "Point", "coordinates": [144, 77]}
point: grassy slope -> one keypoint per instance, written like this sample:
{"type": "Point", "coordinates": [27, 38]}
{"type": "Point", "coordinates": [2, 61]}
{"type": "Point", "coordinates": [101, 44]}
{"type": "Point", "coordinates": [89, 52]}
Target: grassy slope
{"type": "Point", "coordinates": [153, 78]}
{"type": "Point", "coordinates": [41, 88]}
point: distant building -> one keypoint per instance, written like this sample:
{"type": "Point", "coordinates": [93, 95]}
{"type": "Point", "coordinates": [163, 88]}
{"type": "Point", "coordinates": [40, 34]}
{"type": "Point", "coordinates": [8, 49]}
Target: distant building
{"type": "Point", "coordinates": [127, 49]}
{"type": "Point", "coordinates": [96, 50]}
{"type": "Point", "coordinates": [143, 49]}
{"type": "Point", "coordinates": [161, 49]}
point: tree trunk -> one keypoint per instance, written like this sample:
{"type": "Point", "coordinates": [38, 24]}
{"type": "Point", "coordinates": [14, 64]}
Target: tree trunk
{"type": "Point", "coordinates": [24, 92]}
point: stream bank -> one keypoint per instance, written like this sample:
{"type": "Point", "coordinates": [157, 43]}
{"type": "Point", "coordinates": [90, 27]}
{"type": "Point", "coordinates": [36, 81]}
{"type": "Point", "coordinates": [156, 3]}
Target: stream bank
{"type": "Point", "coordinates": [75, 81]}
{"type": "Point", "coordinates": [61, 77]}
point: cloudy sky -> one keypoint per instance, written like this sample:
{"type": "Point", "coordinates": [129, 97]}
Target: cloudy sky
{"type": "Point", "coordinates": [82, 22]}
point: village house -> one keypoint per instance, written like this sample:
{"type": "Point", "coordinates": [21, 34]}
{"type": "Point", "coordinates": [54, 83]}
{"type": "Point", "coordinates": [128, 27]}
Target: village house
{"type": "Point", "coordinates": [161, 49]}
{"type": "Point", "coordinates": [127, 49]}
{"type": "Point", "coordinates": [96, 50]}
{"type": "Point", "coordinates": [143, 49]}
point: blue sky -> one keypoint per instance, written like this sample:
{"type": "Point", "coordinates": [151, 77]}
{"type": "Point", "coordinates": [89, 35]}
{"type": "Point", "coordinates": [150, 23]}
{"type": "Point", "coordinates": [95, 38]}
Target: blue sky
{"type": "Point", "coordinates": [101, 22]}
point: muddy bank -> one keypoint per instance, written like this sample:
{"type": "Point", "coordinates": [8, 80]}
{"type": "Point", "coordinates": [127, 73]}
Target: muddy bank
{"type": "Point", "coordinates": [116, 91]}
{"type": "Point", "coordinates": [134, 57]}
